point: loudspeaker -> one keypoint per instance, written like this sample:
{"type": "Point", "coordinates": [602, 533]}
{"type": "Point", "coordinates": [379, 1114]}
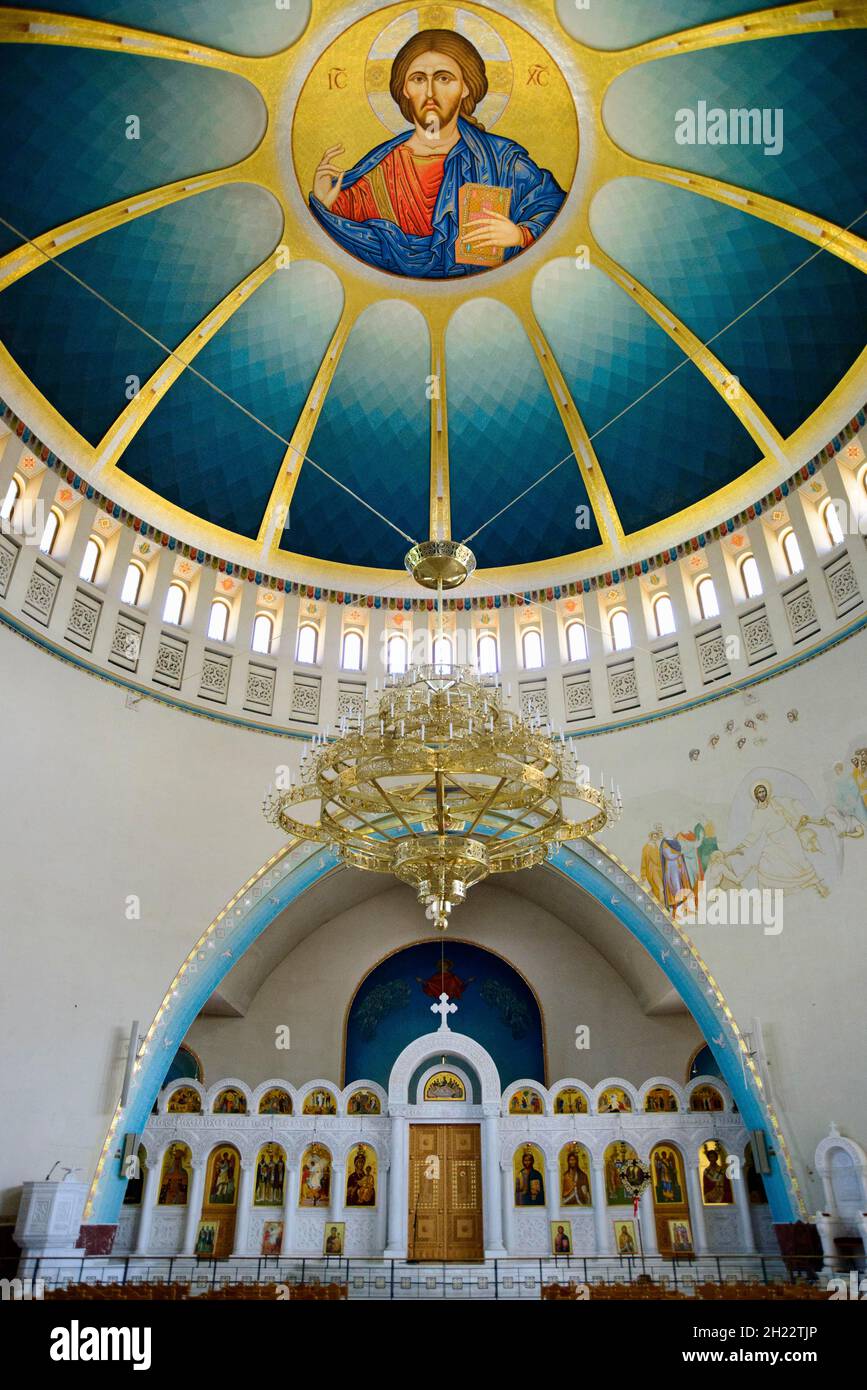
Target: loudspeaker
{"type": "Point", "coordinates": [760, 1151]}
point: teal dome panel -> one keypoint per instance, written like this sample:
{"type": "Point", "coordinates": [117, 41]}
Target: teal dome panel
{"type": "Point", "coordinates": [204, 453]}
{"type": "Point", "coordinates": [373, 436]}
{"type": "Point", "coordinates": [505, 434]}
{"type": "Point", "coordinates": [166, 271]}
{"type": "Point", "coordinates": [623, 23]}
{"type": "Point", "coordinates": [251, 27]}
{"type": "Point", "coordinates": [812, 78]}
{"type": "Point", "coordinates": [730, 277]}
{"type": "Point", "coordinates": [650, 413]}
{"type": "Point", "coordinates": [63, 129]}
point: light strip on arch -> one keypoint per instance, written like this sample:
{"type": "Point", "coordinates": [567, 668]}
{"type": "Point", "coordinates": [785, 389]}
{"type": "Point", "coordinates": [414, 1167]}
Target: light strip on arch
{"type": "Point", "coordinates": [839, 241]}
{"type": "Point", "coordinates": [276, 514]}
{"type": "Point", "coordinates": [116, 439]}
{"type": "Point", "coordinates": [725, 383]}
{"type": "Point", "coordinates": [26, 26]}
{"type": "Point", "coordinates": [296, 867]}
{"type": "Point", "coordinates": [806, 18]}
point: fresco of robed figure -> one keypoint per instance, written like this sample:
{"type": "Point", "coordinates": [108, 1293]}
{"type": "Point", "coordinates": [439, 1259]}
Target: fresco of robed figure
{"type": "Point", "coordinates": [400, 207]}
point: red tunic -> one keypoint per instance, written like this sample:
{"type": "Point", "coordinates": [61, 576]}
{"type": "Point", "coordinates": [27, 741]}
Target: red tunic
{"type": "Point", "coordinates": [402, 188]}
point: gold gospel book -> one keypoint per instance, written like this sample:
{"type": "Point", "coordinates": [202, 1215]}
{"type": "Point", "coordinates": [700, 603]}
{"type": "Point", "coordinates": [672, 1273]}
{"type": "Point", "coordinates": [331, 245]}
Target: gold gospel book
{"type": "Point", "coordinates": [477, 200]}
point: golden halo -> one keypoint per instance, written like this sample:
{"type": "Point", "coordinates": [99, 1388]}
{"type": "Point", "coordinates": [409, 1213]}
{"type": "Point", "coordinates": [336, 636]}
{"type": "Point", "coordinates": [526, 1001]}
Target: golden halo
{"type": "Point", "coordinates": [345, 98]}
{"type": "Point", "coordinates": [498, 61]}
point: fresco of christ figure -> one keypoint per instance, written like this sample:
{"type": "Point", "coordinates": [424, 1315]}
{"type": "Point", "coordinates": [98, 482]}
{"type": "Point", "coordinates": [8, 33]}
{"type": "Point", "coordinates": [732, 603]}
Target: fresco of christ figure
{"type": "Point", "coordinates": [399, 208]}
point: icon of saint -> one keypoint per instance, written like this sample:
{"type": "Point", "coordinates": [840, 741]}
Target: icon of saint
{"type": "Point", "coordinates": [399, 208]}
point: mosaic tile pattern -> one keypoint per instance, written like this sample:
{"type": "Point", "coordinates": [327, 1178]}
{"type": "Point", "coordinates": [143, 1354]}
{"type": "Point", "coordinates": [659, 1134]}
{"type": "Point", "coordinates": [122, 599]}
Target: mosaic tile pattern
{"type": "Point", "coordinates": [622, 23]}
{"type": "Point", "coordinates": [63, 128]}
{"type": "Point", "coordinates": [813, 78]}
{"type": "Point", "coordinates": [254, 27]}
{"type": "Point", "coordinates": [166, 271]}
{"type": "Point", "coordinates": [202, 452]}
{"type": "Point", "coordinates": [711, 264]}
{"type": "Point", "coordinates": [682, 435]}
{"type": "Point", "coordinates": [505, 433]}
{"type": "Point", "coordinates": [374, 437]}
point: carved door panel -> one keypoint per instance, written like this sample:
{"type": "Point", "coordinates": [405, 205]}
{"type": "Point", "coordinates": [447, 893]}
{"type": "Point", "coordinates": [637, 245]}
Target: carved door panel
{"type": "Point", "coordinates": [445, 1193]}
{"type": "Point", "coordinates": [464, 1228]}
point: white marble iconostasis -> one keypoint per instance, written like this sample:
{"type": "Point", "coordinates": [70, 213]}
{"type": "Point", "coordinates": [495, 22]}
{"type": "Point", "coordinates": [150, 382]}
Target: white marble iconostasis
{"type": "Point", "coordinates": [381, 1228]}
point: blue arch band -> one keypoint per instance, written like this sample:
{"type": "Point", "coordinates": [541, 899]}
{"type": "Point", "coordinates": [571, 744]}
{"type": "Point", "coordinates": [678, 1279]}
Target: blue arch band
{"type": "Point", "coordinates": [298, 867]}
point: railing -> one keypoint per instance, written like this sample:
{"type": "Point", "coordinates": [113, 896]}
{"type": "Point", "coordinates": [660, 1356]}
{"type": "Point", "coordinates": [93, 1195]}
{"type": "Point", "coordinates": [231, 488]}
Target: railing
{"type": "Point", "coordinates": [510, 1277]}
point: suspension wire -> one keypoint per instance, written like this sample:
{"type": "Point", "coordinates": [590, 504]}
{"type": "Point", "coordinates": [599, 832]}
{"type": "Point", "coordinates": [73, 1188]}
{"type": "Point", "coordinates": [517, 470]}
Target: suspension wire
{"type": "Point", "coordinates": [188, 366]}
{"type": "Point", "coordinates": [687, 358]}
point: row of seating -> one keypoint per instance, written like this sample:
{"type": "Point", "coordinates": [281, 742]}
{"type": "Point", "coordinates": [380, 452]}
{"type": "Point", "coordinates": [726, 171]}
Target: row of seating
{"type": "Point", "coordinates": [646, 1289]}
{"type": "Point", "coordinates": [180, 1292]}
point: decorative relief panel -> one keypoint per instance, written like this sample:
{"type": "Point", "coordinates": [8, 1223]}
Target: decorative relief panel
{"type": "Point", "coordinates": [578, 696]}
{"type": "Point", "coordinates": [259, 690]}
{"type": "Point", "coordinates": [530, 1233]}
{"type": "Point", "coordinates": [842, 585]}
{"type": "Point", "coordinates": [723, 1233]}
{"type": "Point", "coordinates": [8, 555]}
{"type": "Point", "coordinates": [41, 593]}
{"type": "Point", "coordinates": [757, 635]}
{"type": "Point", "coordinates": [83, 620]}
{"type": "Point", "coordinates": [712, 659]}
{"type": "Point", "coordinates": [801, 612]}
{"type": "Point", "coordinates": [214, 683]}
{"type": "Point", "coordinates": [127, 1230]}
{"type": "Point", "coordinates": [306, 691]}
{"type": "Point", "coordinates": [169, 665]}
{"type": "Point", "coordinates": [668, 672]}
{"type": "Point", "coordinates": [126, 643]}
{"type": "Point", "coordinates": [533, 696]}
{"type": "Point", "coordinates": [350, 703]}
{"type": "Point", "coordinates": [623, 685]}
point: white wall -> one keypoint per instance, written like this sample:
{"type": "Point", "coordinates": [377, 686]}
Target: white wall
{"type": "Point", "coordinates": [101, 802]}
{"type": "Point", "coordinates": [313, 986]}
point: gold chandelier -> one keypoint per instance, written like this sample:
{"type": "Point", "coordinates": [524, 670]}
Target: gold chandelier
{"type": "Point", "coordinates": [437, 782]}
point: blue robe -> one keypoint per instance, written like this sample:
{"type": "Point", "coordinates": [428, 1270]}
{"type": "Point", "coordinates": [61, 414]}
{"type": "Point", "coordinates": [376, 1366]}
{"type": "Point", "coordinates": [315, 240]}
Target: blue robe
{"type": "Point", "coordinates": [477, 158]}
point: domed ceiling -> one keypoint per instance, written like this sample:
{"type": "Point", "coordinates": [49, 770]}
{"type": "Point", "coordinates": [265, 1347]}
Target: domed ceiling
{"type": "Point", "coordinates": [221, 353]}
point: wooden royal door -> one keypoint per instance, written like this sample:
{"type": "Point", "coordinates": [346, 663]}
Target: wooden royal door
{"type": "Point", "coordinates": [445, 1193]}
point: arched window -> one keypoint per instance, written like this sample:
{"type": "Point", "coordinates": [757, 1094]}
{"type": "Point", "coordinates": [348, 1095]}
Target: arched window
{"type": "Point", "coordinates": [750, 577]}
{"type": "Point", "coordinates": [663, 616]}
{"type": "Point", "coordinates": [90, 563]}
{"type": "Point", "coordinates": [531, 650]}
{"type": "Point", "coordinates": [49, 535]}
{"type": "Point", "coordinates": [173, 609]}
{"type": "Point", "coordinates": [132, 584]}
{"type": "Point", "coordinates": [353, 651]}
{"type": "Point", "coordinates": [396, 655]}
{"type": "Point", "coordinates": [263, 633]}
{"type": "Point", "coordinates": [10, 501]}
{"type": "Point", "coordinates": [489, 659]}
{"type": "Point", "coordinates": [792, 552]}
{"type": "Point", "coordinates": [442, 651]}
{"type": "Point", "coordinates": [707, 599]}
{"type": "Point", "coordinates": [831, 518]}
{"type": "Point", "coordinates": [308, 641]}
{"type": "Point", "coordinates": [218, 622]}
{"type": "Point", "coordinates": [576, 641]}
{"type": "Point", "coordinates": [621, 637]}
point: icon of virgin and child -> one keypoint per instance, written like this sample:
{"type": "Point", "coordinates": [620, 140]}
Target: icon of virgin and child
{"type": "Point", "coordinates": [445, 198]}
